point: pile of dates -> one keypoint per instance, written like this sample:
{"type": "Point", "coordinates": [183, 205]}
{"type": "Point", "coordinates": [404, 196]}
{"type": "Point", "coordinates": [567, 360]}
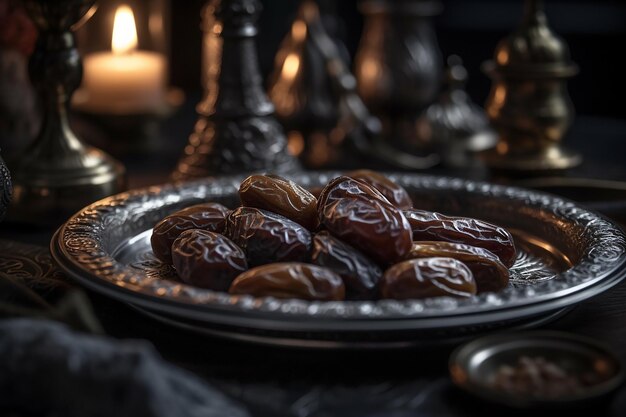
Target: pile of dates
{"type": "Point", "coordinates": [359, 238]}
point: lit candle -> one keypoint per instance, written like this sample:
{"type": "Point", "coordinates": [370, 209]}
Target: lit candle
{"type": "Point", "coordinates": [125, 80]}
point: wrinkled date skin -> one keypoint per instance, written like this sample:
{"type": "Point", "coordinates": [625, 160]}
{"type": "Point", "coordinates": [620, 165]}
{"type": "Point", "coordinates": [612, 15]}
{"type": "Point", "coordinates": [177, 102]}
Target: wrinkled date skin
{"type": "Point", "coordinates": [281, 196]}
{"type": "Point", "coordinates": [428, 225]}
{"type": "Point", "coordinates": [489, 273]}
{"type": "Point", "coordinates": [207, 259]}
{"type": "Point", "coordinates": [290, 280]}
{"type": "Point", "coordinates": [346, 187]}
{"type": "Point", "coordinates": [208, 216]}
{"type": "Point", "coordinates": [396, 194]}
{"type": "Point", "coordinates": [267, 237]}
{"type": "Point", "coordinates": [428, 277]}
{"type": "Point", "coordinates": [360, 275]}
{"type": "Point", "coordinates": [378, 229]}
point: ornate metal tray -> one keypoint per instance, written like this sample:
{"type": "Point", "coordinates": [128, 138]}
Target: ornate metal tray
{"type": "Point", "coordinates": [566, 255]}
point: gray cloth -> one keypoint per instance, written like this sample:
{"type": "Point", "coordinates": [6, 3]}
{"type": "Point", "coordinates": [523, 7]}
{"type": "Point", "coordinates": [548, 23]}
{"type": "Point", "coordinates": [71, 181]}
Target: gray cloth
{"type": "Point", "coordinates": [45, 367]}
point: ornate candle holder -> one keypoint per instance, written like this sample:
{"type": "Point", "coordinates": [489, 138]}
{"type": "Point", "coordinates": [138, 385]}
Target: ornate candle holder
{"type": "Point", "coordinates": [236, 131]}
{"type": "Point", "coordinates": [58, 173]}
{"type": "Point", "coordinates": [529, 105]}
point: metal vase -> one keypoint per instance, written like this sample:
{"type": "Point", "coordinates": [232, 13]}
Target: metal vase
{"type": "Point", "coordinates": [58, 174]}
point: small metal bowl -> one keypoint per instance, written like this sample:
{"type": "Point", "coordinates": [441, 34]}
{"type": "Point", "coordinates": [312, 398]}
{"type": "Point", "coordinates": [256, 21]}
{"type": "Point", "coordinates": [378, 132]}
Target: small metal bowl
{"type": "Point", "coordinates": [473, 364]}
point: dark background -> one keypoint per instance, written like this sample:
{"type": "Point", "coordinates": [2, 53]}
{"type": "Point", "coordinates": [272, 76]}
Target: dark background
{"type": "Point", "coordinates": [594, 30]}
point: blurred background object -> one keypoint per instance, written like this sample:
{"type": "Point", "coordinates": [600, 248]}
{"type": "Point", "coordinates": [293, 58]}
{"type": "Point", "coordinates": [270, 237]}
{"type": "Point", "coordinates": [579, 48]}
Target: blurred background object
{"type": "Point", "coordinates": [456, 126]}
{"type": "Point", "coordinates": [399, 67]}
{"type": "Point", "coordinates": [529, 105]}
{"type": "Point", "coordinates": [469, 30]}
{"type": "Point", "coordinates": [236, 131]}
{"type": "Point", "coordinates": [19, 115]}
{"type": "Point", "coordinates": [57, 174]}
{"type": "Point", "coordinates": [125, 92]}
{"type": "Point", "coordinates": [125, 46]}
{"type": "Point", "coordinates": [211, 51]}
{"type": "Point", "coordinates": [300, 87]}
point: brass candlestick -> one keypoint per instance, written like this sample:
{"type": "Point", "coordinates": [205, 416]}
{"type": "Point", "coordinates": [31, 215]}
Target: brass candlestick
{"type": "Point", "coordinates": [236, 131]}
{"type": "Point", "coordinates": [529, 105]}
{"type": "Point", "coordinates": [58, 173]}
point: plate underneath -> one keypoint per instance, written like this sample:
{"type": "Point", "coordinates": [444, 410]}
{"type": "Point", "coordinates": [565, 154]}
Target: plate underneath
{"type": "Point", "coordinates": [392, 340]}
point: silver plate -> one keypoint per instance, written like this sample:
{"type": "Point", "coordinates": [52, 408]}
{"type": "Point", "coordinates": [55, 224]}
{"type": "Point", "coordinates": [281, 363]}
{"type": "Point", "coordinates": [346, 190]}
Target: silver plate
{"type": "Point", "coordinates": [566, 255]}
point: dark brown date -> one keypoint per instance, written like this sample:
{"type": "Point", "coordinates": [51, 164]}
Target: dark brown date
{"type": "Point", "coordinates": [290, 280]}
{"type": "Point", "coordinates": [281, 196]}
{"type": "Point", "coordinates": [428, 277]}
{"type": "Point", "coordinates": [360, 275]}
{"type": "Point", "coordinates": [370, 225]}
{"type": "Point", "coordinates": [489, 273]}
{"type": "Point", "coordinates": [207, 259]}
{"type": "Point", "coordinates": [428, 225]}
{"type": "Point", "coordinates": [267, 237]}
{"type": "Point", "coordinates": [346, 187]}
{"type": "Point", "coordinates": [396, 194]}
{"type": "Point", "coordinates": [208, 216]}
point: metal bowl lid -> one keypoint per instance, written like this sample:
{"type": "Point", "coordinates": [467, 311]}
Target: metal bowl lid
{"type": "Point", "coordinates": [533, 49]}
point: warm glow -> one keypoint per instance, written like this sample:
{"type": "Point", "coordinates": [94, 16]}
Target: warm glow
{"type": "Point", "coordinates": [499, 95]}
{"type": "Point", "coordinates": [502, 57]}
{"type": "Point", "coordinates": [124, 38]}
{"type": "Point", "coordinates": [370, 70]}
{"type": "Point", "coordinates": [290, 67]}
{"type": "Point", "coordinates": [295, 143]}
{"type": "Point", "coordinates": [298, 31]}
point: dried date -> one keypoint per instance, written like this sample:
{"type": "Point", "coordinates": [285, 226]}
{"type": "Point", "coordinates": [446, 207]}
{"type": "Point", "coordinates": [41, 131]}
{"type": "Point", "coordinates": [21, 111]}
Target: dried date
{"type": "Point", "coordinates": [346, 187]}
{"type": "Point", "coordinates": [267, 237]}
{"type": "Point", "coordinates": [207, 216]}
{"type": "Point", "coordinates": [290, 280]}
{"type": "Point", "coordinates": [396, 194]}
{"type": "Point", "coordinates": [359, 274]}
{"type": "Point", "coordinates": [489, 273]}
{"type": "Point", "coordinates": [428, 277]}
{"type": "Point", "coordinates": [377, 228]}
{"type": "Point", "coordinates": [428, 225]}
{"type": "Point", "coordinates": [281, 196]}
{"type": "Point", "coordinates": [207, 259]}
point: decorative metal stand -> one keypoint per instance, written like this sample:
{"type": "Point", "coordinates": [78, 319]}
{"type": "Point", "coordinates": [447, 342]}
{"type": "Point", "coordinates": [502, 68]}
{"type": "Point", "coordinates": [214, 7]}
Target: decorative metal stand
{"type": "Point", "coordinates": [58, 173]}
{"type": "Point", "coordinates": [529, 105]}
{"type": "Point", "coordinates": [236, 131]}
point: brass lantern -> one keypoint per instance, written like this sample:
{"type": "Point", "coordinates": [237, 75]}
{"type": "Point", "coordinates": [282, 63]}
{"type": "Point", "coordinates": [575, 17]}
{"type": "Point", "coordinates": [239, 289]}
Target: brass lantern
{"type": "Point", "coordinates": [529, 105]}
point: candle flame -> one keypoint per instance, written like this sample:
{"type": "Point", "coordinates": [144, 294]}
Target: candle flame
{"type": "Point", "coordinates": [124, 38]}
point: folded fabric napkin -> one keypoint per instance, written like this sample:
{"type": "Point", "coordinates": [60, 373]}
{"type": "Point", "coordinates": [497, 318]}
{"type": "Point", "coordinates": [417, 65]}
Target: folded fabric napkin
{"type": "Point", "coordinates": [46, 367]}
